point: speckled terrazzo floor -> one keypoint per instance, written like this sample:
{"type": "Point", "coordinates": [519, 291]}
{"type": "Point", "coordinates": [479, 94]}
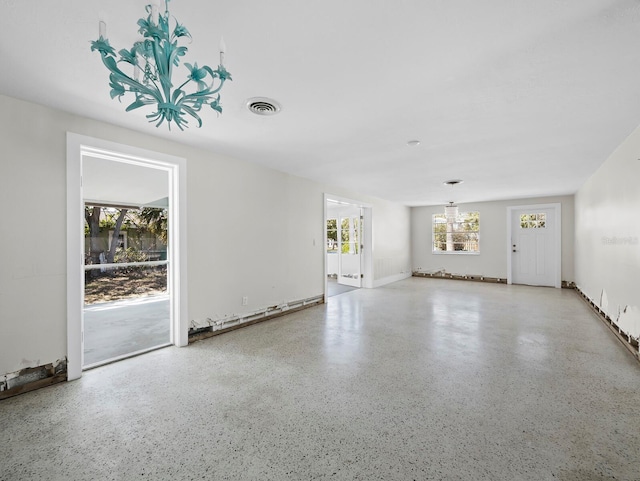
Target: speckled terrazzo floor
{"type": "Point", "coordinates": [422, 379]}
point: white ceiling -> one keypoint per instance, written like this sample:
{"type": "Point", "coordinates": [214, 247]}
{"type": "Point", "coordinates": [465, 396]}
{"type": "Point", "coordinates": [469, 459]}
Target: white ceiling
{"type": "Point", "coordinates": [518, 98]}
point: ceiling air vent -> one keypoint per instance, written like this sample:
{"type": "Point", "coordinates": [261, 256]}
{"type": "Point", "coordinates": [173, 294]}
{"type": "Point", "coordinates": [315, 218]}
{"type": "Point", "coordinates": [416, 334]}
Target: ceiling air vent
{"type": "Point", "coordinates": [263, 106]}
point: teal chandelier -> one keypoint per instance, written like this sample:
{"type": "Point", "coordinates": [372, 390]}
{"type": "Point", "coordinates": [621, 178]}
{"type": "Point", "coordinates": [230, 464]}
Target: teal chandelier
{"type": "Point", "coordinates": [153, 59]}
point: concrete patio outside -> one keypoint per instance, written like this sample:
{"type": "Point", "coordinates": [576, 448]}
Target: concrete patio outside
{"type": "Point", "coordinates": [118, 328]}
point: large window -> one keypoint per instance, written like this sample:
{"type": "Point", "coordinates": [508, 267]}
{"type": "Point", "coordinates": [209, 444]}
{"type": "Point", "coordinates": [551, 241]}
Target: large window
{"type": "Point", "coordinates": [459, 235]}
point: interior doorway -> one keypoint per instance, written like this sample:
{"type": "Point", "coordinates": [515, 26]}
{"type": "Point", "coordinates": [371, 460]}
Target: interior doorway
{"type": "Point", "coordinates": [126, 296]}
{"type": "Point", "coordinates": [347, 237]}
{"type": "Point", "coordinates": [534, 255]}
{"type": "Point", "coordinates": [126, 207]}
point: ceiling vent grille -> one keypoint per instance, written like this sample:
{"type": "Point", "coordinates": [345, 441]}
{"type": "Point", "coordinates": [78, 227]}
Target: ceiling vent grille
{"type": "Point", "coordinates": [263, 106]}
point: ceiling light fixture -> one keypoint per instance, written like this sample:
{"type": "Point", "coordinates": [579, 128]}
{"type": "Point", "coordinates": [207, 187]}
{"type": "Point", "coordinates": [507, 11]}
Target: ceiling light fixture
{"type": "Point", "coordinates": [153, 58]}
{"type": "Point", "coordinates": [451, 210]}
{"type": "Point", "coordinates": [413, 143]}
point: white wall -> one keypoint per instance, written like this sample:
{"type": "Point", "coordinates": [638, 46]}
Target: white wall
{"type": "Point", "coordinates": [252, 231]}
{"type": "Point", "coordinates": [492, 259]}
{"type": "Point", "coordinates": [607, 253]}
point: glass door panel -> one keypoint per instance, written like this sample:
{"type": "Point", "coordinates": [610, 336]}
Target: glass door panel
{"type": "Point", "coordinates": [349, 251]}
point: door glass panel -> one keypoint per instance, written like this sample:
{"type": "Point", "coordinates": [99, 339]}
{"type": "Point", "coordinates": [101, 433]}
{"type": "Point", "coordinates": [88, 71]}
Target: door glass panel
{"type": "Point", "coordinates": [350, 248]}
{"type": "Point", "coordinates": [350, 235]}
{"type": "Point", "coordinates": [533, 221]}
{"type": "Point", "coordinates": [332, 236]}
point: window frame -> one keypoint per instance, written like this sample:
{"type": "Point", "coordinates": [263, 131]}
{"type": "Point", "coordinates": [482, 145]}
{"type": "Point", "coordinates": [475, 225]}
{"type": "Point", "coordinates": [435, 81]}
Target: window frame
{"type": "Point", "coordinates": [459, 219]}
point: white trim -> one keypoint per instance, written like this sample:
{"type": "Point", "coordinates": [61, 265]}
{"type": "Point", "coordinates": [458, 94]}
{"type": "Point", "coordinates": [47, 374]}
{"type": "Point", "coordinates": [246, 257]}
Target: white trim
{"type": "Point", "coordinates": [389, 279]}
{"type": "Point", "coordinates": [367, 253]}
{"type": "Point", "coordinates": [77, 146]}
{"type": "Point", "coordinates": [75, 261]}
{"type": "Point", "coordinates": [119, 265]}
{"type": "Point", "coordinates": [557, 241]}
{"type": "Point", "coordinates": [455, 253]}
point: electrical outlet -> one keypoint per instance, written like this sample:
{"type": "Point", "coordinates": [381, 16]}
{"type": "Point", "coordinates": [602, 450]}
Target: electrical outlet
{"type": "Point", "coordinates": [245, 300]}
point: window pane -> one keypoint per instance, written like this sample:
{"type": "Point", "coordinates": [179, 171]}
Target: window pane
{"type": "Point", "coordinates": [461, 234]}
{"type": "Point", "coordinates": [533, 221]}
{"type": "Point", "coordinates": [332, 235]}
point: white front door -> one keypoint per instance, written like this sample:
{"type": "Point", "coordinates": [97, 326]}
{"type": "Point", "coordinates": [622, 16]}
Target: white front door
{"type": "Point", "coordinates": [535, 246]}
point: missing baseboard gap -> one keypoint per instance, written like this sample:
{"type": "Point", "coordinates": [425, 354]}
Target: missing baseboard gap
{"type": "Point", "coordinates": [442, 274]}
{"type": "Point", "coordinates": [632, 344]}
{"type": "Point", "coordinates": [231, 323]}
{"type": "Point", "coordinates": [32, 378]}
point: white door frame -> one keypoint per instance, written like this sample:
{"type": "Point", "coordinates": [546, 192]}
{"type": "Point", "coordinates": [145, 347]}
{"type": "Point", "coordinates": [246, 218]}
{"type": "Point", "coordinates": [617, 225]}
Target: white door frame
{"type": "Point", "coordinates": [77, 146]}
{"type": "Point", "coordinates": [367, 239]}
{"type": "Point", "coordinates": [557, 240]}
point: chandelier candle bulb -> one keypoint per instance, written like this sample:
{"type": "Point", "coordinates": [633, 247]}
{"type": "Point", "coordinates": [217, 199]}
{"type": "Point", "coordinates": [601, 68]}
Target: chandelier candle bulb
{"type": "Point", "coordinates": [223, 49]}
{"type": "Point", "coordinates": [154, 14]}
{"type": "Point", "coordinates": [102, 29]}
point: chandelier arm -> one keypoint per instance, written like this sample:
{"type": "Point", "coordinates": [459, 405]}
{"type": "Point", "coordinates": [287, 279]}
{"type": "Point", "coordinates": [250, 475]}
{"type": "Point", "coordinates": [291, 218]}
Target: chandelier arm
{"type": "Point", "coordinates": [220, 74]}
{"type": "Point", "coordinates": [183, 84]}
{"type": "Point", "coordinates": [197, 97]}
{"type": "Point", "coordinates": [165, 77]}
{"type": "Point", "coordinates": [215, 91]}
{"type": "Point", "coordinates": [200, 96]}
{"type": "Point", "coordinates": [136, 87]}
{"type": "Point", "coordinates": [109, 61]}
{"type": "Point", "coordinates": [141, 100]}
{"type": "Point", "coordinates": [193, 114]}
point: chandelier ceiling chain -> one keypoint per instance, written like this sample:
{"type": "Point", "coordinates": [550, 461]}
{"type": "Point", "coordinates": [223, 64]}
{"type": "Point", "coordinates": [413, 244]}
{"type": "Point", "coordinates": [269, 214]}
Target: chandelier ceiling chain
{"type": "Point", "coordinates": [154, 58]}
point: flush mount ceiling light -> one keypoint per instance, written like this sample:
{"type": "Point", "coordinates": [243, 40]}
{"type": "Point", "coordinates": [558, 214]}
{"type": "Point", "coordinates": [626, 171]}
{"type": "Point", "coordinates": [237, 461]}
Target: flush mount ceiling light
{"type": "Point", "coordinates": [263, 106]}
{"type": "Point", "coordinates": [153, 58]}
{"type": "Point", "coordinates": [413, 143]}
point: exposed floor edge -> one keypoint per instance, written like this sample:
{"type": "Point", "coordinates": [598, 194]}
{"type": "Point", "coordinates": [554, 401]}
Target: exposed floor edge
{"type": "Point", "coordinates": [628, 342]}
{"type": "Point", "coordinates": [476, 278]}
{"type": "Point", "coordinates": [34, 378]}
{"type": "Point", "coordinates": [208, 332]}
{"type": "Point", "coordinates": [125, 356]}
{"type": "Point", "coordinates": [460, 277]}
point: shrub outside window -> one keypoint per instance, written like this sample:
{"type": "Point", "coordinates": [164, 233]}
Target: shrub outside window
{"type": "Point", "coordinates": [456, 236]}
